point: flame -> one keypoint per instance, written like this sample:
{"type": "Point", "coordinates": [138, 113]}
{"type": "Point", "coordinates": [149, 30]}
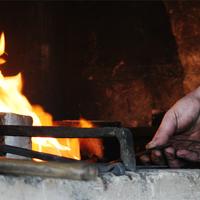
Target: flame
{"type": "Point", "coordinates": [2, 48]}
{"type": "Point", "coordinates": [12, 100]}
{"type": "Point", "coordinates": [92, 146]}
{"type": "Point", "coordinates": [83, 123]}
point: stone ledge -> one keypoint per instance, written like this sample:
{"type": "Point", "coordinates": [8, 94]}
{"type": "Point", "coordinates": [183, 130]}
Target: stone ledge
{"type": "Point", "coordinates": [143, 184]}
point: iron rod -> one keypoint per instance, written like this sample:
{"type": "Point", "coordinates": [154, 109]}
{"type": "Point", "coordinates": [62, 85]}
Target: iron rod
{"type": "Point", "coordinates": [34, 154]}
{"type": "Point", "coordinates": [75, 171]}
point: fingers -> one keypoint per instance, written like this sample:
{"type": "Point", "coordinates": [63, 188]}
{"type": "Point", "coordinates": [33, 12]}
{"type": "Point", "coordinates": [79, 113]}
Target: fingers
{"type": "Point", "coordinates": [168, 156]}
{"type": "Point", "coordinates": [145, 159]}
{"type": "Point", "coordinates": [157, 157]}
{"type": "Point", "coordinates": [172, 161]}
{"type": "Point", "coordinates": [188, 155]}
{"type": "Point", "coordinates": [166, 129]}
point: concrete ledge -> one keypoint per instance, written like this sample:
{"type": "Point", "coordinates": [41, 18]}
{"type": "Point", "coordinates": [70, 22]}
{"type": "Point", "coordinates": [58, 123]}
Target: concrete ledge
{"type": "Point", "coordinates": [141, 185]}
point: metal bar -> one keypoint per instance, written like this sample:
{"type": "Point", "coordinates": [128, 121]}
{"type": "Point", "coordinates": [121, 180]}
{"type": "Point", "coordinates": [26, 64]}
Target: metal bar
{"type": "Point", "coordinates": [123, 135]}
{"type": "Point", "coordinates": [127, 153]}
{"type": "Point", "coordinates": [96, 123]}
{"type": "Point", "coordinates": [34, 154]}
{"type": "Point", "coordinates": [75, 171]}
{"type": "Point", "coordinates": [56, 131]}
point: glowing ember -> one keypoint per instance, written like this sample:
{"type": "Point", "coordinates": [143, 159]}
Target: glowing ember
{"type": "Point", "coordinates": [12, 100]}
{"type": "Point", "coordinates": [83, 123]}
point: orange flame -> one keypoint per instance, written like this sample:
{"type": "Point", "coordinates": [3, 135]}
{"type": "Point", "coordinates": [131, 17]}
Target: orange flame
{"type": "Point", "coordinates": [2, 48]}
{"type": "Point", "coordinates": [12, 100]}
{"type": "Point", "coordinates": [91, 146]}
{"type": "Point", "coordinates": [83, 123]}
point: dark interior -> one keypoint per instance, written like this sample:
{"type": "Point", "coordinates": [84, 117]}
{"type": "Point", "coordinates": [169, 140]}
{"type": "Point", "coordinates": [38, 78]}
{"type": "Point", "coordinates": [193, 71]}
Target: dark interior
{"type": "Point", "coordinates": [67, 52]}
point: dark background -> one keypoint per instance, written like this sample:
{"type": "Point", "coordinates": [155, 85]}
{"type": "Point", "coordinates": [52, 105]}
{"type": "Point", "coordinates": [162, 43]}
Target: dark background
{"type": "Point", "coordinates": [57, 44]}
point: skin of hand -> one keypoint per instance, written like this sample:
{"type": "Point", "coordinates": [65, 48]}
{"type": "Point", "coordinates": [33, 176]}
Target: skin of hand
{"type": "Point", "coordinates": [180, 129]}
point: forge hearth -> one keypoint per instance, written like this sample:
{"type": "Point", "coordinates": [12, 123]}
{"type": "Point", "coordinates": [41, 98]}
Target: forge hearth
{"type": "Point", "coordinates": [139, 185]}
{"type": "Point", "coordinates": [126, 160]}
{"type": "Point", "coordinates": [119, 61]}
{"type": "Point", "coordinates": [65, 178]}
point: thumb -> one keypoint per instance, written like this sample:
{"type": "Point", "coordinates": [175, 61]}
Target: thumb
{"type": "Point", "coordinates": [165, 131]}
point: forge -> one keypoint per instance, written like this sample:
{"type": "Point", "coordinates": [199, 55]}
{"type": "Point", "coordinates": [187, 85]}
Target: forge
{"type": "Point", "coordinates": [122, 178]}
{"type": "Point", "coordinates": [84, 86]}
{"type": "Point", "coordinates": [111, 177]}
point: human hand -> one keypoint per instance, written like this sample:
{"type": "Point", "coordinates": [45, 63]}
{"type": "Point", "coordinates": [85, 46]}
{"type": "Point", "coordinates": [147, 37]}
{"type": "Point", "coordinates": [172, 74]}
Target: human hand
{"type": "Point", "coordinates": [179, 133]}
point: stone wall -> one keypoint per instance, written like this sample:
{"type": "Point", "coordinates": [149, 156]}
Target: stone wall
{"type": "Point", "coordinates": [185, 21]}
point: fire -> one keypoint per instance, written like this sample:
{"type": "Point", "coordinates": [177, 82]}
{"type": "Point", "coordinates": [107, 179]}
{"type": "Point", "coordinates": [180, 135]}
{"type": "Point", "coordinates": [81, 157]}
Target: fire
{"type": "Point", "coordinates": [12, 100]}
{"type": "Point", "coordinates": [92, 146]}
{"type": "Point", "coordinates": [83, 123]}
{"type": "Point", "coordinates": [2, 48]}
